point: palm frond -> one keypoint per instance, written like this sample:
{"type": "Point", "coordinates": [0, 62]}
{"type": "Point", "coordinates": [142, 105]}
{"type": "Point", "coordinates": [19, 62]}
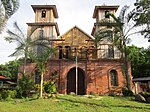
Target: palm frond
{"type": "Point", "coordinates": [10, 7]}
{"type": "Point", "coordinates": [18, 29]}
{"type": "Point", "coordinates": [117, 20]}
{"type": "Point", "coordinates": [102, 34]}
{"type": "Point", "coordinates": [16, 5]}
{"type": "Point", "coordinates": [41, 42]}
{"type": "Point", "coordinates": [32, 30]}
{"type": "Point", "coordinates": [122, 13]}
{"type": "Point", "coordinates": [3, 20]}
{"type": "Point", "coordinates": [13, 37]}
{"type": "Point", "coordinates": [18, 51]}
{"type": "Point", "coordinates": [130, 15]}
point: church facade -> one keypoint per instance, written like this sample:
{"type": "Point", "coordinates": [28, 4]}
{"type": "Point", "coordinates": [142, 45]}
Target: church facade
{"type": "Point", "coordinates": [81, 67]}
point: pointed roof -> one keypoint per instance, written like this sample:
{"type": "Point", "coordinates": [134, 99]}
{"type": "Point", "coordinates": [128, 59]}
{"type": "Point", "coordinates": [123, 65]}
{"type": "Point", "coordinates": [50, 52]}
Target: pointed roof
{"type": "Point", "coordinates": [90, 37]}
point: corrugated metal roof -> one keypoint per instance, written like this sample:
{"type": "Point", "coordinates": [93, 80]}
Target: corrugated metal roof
{"type": "Point", "coordinates": [2, 77]}
{"type": "Point", "coordinates": [141, 79]}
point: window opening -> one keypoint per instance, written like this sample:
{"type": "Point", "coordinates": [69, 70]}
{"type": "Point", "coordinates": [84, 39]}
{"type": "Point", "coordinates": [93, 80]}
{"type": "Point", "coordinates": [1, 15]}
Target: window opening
{"type": "Point", "coordinates": [67, 52]}
{"type": "Point", "coordinates": [60, 52]}
{"type": "Point", "coordinates": [110, 51]}
{"type": "Point", "coordinates": [114, 78]}
{"type": "Point", "coordinates": [43, 14]}
{"type": "Point", "coordinates": [106, 14]}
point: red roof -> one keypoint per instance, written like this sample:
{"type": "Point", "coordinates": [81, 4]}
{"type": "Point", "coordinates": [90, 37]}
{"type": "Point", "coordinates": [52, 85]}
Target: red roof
{"type": "Point", "coordinates": [2, 77]}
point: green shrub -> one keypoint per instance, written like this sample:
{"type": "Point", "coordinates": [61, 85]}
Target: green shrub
{"type": "Point", "coordinates": [5, 94]}
{"type": "Point", "coordinates": [127, 92]}
{"type": "Point", "coordinates": [25, 86]}
{"type": "Point", "coordinates": [37, 87]}
{"type": "Point", "coordinates": [50, 87]}
{"type": "Point", "coordinates": [12, 93]}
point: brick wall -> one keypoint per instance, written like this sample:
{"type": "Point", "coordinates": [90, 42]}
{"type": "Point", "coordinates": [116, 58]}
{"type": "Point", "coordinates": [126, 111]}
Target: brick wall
{"type": "Point", "coordinates": [96, 74]}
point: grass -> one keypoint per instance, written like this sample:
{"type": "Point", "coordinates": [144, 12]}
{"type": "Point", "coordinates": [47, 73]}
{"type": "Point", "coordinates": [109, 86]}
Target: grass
{"type": "Point", "coordinates": [67, 103]}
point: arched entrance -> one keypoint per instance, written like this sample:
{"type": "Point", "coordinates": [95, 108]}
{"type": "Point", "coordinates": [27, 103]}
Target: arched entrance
{"type": "Point", "coordinates": [71, 81]}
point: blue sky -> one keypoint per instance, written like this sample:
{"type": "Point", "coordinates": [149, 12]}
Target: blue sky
{"type": "Point", "coordinates": [70, 12]}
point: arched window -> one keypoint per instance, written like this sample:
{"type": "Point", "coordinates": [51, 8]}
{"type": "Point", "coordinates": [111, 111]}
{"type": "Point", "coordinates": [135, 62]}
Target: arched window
{"type": "Point", "coordinates": [113, 78]}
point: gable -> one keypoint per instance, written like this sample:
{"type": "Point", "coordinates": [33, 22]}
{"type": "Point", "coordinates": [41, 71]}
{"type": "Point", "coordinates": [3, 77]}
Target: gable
{"type": "Point", "coordinates": [76, 37]}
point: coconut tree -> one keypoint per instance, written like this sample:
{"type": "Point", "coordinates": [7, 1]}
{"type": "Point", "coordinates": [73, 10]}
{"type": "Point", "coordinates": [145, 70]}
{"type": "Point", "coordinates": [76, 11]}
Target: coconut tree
{"type": "Point", "coordinates": [25, 42]}
{"type": "Point", "coordinates": [120, 36]}
{"type": "Point", "coordinates": [41, 60]}
{"type": "Point", "coordinates": [7, 9]}
{"type": "Point", "coordinates": [142, 16]}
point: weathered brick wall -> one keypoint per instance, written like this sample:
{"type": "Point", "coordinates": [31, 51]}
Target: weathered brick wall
{"type": "Point", "coordinates": [96, 73]}
{"type": "Point", "coordinates": [97, 77]}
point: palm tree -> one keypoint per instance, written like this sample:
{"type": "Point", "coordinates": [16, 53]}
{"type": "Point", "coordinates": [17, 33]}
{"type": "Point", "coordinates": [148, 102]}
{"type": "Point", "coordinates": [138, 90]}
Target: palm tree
{"type": "Point", "coordinates": [142, 16]}
{"type": "Point", "coordinates": [41, 61]}
{"type": "Point", "coordinates": [25, 43]}
{"type": "Point", "coordinates": [7, 9]}
{"type": "Point", "coordinates": [123, 29]}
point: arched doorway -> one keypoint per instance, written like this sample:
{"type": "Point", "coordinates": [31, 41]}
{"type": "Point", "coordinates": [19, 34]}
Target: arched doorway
{"type": "Point", "coordinates": [71, 81]}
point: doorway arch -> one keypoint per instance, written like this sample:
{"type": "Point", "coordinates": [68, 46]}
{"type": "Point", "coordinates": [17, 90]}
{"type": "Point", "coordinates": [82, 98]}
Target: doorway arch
{"type": "Point", "coordinates": [71, 81]}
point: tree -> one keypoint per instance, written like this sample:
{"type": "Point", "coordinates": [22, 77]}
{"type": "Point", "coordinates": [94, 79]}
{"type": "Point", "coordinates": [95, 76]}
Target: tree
{"type": "Point", "coordinates": [10, 69]}
{"type": "Point", "coordinates": [142, 16]}
{"type": "Point", "coordinates": [7, 9]}
{"type": "Point", "coordinates": [25, 42]}
{"type": "Point", "coordinates": [123, 29]}
{"type": "Point", "coordinates": [140, 61]}
{"type": "Point", "coordinates": [136, 56]}
{"type": "Point", "coordinates": [41, 60]}
{"type": "Point", "coordinates": [25, 86]}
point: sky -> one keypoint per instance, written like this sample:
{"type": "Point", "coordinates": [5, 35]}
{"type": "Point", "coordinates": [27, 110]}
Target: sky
{"type": "Point", "coordinates": [70, 12]}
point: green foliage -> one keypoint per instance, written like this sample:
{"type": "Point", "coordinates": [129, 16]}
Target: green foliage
{"type": "Point", "coordinates": [25, 86]}
{"type": "Point", "coordinates": [41, 61]}
{"type": "Point", "coordinates": [127, 92]}
{"type": "Point", "coordinates": [142, 16]}
{"type": "Point", "coordinates": [12, 93]}
{"type": "Point", "coordinates": [37, 87]}
{"type": "Point", "coordinates": [102, 34]}
{"type": "Point", "coordinates": [140, 61]}
{"type": "Point", "coordinates": [50, 87]}
{"type": "Point", "coordinates": [25, 42]}
{"type": "Point", "coordinates": [6, 94]}
{"type": "Point", "coordinates": [10, 69]}
{"type": "Point", "coordinates": [7, 9]}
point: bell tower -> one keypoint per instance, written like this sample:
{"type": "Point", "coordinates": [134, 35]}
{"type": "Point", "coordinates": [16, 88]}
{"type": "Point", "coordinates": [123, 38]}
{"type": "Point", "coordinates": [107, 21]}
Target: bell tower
{"type": "Point", "coordinates": [45, 16]}
{"type": "Point", "coordinates": [103, 20]}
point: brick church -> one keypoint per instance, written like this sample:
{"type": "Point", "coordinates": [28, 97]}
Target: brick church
{"type": "Point", "coordinates": [82, 68]}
